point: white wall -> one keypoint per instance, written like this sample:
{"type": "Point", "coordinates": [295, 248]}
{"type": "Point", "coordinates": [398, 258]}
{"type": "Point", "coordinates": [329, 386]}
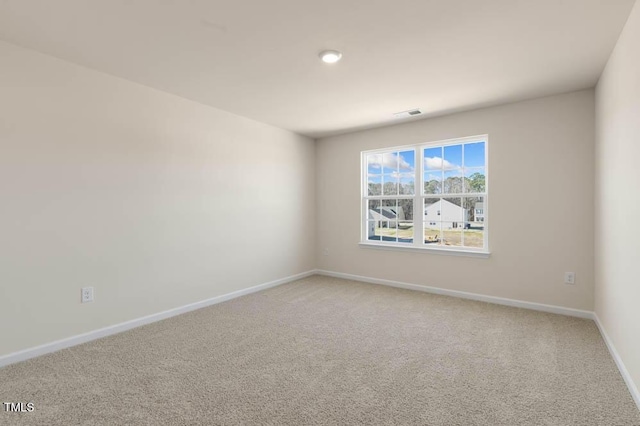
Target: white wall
{"type": "Point", "coordinates": [541, 155]}
{"type": "Point", "coordinates": [154, 200]}
{"type": "Point", "coordinates": [617, 199]}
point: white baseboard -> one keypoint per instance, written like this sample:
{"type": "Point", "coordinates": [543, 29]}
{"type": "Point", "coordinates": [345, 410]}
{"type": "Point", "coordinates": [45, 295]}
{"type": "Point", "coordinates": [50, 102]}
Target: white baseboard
{"type": "Point", "coordinates": [633, 389]}
{"type": "Point", "coordinates": [464, 295]}
{"type": "Point", "coordinates": [635, 393]}
{"type": "Point", "coordinates": [127, 325]}
{"type": "Point", "coordinates": [118, 328]}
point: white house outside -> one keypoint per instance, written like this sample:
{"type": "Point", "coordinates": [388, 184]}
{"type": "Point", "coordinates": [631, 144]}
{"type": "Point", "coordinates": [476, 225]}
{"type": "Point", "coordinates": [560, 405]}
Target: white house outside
{"type": "Point", "coordinates": [479, 213]}
{"type": "Point", "coordinates": [387, 216]}
{"type": "Point", "coordinates": [452, 215]}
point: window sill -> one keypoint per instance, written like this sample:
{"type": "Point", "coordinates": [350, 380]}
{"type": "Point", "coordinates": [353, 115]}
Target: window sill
{"type": "Point", "coordinates": [434, 250]}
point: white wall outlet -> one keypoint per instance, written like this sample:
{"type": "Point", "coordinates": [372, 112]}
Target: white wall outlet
{"type": "Point", "coordinates": [569, 277]}
{"type": "Point", "coordinates": [325, 252]}
{"type": "Point", "coordinates": [87, 294]}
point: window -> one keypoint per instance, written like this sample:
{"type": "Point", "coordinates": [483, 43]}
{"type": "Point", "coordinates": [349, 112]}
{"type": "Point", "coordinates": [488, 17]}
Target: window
{"type": "Point", "coordinates": [402, 187]}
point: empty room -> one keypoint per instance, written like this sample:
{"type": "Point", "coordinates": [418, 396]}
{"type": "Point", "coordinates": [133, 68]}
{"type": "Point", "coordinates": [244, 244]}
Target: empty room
{"type": "Point", "coordinates": [243, 212]}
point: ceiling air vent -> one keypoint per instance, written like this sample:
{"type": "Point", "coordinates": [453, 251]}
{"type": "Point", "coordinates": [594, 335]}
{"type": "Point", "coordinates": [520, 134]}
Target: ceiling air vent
{"type": "Point", "coordinates": [409, 113]}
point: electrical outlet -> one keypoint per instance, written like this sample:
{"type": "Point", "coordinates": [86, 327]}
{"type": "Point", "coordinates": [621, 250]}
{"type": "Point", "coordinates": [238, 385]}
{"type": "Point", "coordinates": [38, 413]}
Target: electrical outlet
{"type": "Point", "coordinates": [569, 277]}
{"type": "Point", "coordinates": [87, 294]}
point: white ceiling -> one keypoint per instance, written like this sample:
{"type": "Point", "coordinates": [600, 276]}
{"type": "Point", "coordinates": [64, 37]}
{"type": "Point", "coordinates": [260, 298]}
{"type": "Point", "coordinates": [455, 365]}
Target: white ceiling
{"type": "Point", "coordinates": [258, 58]}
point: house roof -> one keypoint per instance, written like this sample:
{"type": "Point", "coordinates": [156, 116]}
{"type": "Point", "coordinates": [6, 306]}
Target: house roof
{"type": "Point", "coordinates": [439, 203]}
{"type": "Point", "coordinates": [387, 212]}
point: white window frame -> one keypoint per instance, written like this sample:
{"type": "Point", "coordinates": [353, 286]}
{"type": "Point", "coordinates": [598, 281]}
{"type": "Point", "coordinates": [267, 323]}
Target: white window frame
{"type": "Point", "coordinates": [419, 196]}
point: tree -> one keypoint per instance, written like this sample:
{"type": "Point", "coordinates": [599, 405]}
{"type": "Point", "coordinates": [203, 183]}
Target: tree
{"type": "Point", "coordinates": [406, 188]}
{"type": "Point", "coordinates": [407, 208]}
{"type": "Point", "coordinates": [390, 188]}
{"type": "Point", "coordinates": [473, 184]}
{"type": "Point", "coordinates": [432, 187]}
{"type": "Point", "coordinates": [452, 185]}
{"type": "Point", "coordinates": [477, 182]}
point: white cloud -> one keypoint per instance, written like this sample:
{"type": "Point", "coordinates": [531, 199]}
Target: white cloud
{"type": "Point", "coordinates": [390, 161]}
{"type": "Point", "coordinates": [438, 163]}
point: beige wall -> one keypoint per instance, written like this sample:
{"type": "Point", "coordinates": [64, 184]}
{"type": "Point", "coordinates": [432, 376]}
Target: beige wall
{"type": "Point", "coordinates": [154, 200]}
{"type": "Point", "coordinates": [541, 156]}
{"type": "Point", "coordinates": [618, 197]}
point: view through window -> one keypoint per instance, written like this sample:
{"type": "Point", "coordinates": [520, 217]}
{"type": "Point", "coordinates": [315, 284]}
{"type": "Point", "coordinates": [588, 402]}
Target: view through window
{"type": "Point", "coordinates": [448, 207]}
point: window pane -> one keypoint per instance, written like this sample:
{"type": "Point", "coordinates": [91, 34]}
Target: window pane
{"type": "Point", "coordinates": [390, 234]}
{"type": "Point", "coordinates": [373, 219]}
{"type": "Point", "coordinates": [452, 183]}
{"type": "Point", "coordinates": [373, 213]}
{"type": "Point", "coordinates": [389, 208]}
{"type": "Point", "coordinates": [452, 210]}
{"type": "Point", "coordinates": [386, 231]}
{"type": "Point", "coordinates": [432, 232]}
{"type": "Point", "coordinates": [473, 209]}
{"type": "Point", "coordinates": [474, 234]}
{"type": "Point", "coordinates": [433, 183]}
{"type": "Point", "coordinates": [390, 162]}
{"type": "Point", "coordinates": [405, 220]}
{"type": "Point", "coordinates": [372, 230]}
{"type": "Point", "coordinates": [475, 180]}
{"type": "Point", "coordinates": [432, 208]}
{"type": "Point", "coordinates": [474, 155]}
{"type": "Point", "coordinates": [407, 161]}
{"type": "Point", "coordinates": [374, 205]}
{"type": "Point", "coordinates": [407, 184]}
{"type": "Point", "coordinates": [390, 185]}
{"type": "Point", "coordinates": [452, 157]}
{"type": "Point", "coordinates": [452, 233]}
{"type": "Point", "coordinates": [433, 158]}
{"type": "Point", "coordinates": [392, 213]}
{"type": "Point", "coordinates": [374, 163]}
{"type": "Point", "coordinates": [405, 209]}
{"type": "Point", "coordinates": [389, 211]}
{"type": "Point", "coordinates": [375, 184]}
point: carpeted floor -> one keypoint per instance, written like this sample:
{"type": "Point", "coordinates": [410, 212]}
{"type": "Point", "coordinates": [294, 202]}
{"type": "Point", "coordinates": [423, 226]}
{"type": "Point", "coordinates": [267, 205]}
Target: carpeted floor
{"type": "Point", "coordinates": [330, 351]}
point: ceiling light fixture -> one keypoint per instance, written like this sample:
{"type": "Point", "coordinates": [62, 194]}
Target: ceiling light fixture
{"type": "Point", "coordinates": [330, 56]}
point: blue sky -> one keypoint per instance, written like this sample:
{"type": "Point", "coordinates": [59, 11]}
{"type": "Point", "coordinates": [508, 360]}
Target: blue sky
{"type": "Point", "coordinates": [449, 157]}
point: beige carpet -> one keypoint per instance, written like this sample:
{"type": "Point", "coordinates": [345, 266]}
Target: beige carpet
{"type": "Point", "coordinates": [329, 351]}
